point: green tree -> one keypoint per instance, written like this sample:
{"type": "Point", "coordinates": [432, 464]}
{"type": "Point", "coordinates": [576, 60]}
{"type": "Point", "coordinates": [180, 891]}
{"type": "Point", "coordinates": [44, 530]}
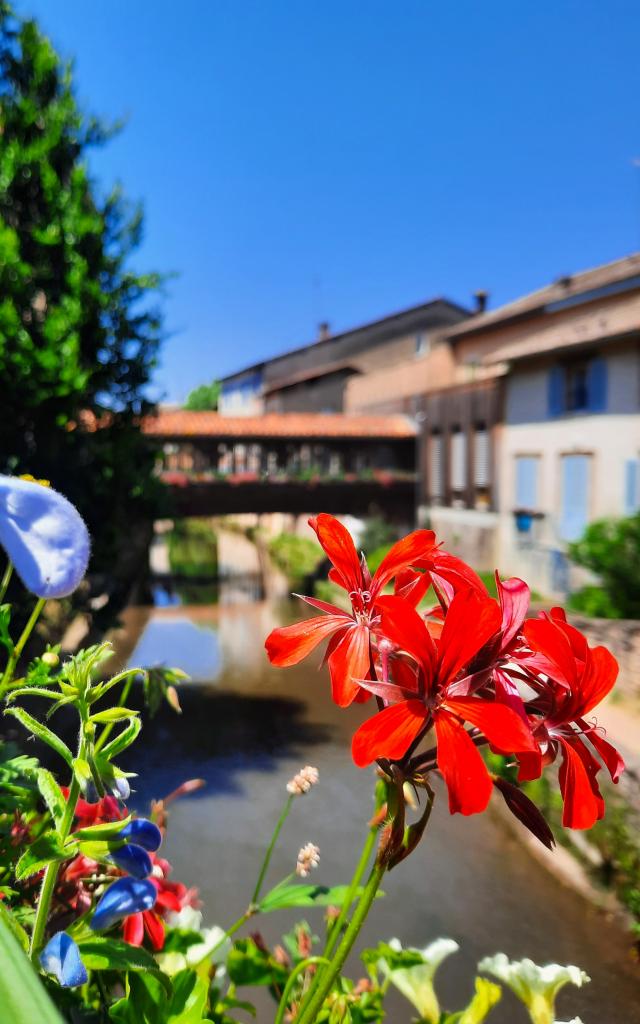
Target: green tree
{"type": "Point", "coordinates": [610, 548]}
{"type": "Point", "coordinates": [78, 334]}
{"type": "Point", "coordinates": [204, 397]}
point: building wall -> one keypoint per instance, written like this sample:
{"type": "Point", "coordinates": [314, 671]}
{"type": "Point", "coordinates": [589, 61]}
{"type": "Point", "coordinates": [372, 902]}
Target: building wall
{"type": "Point", "coordinates": [611, 442]}
{"type": "Point", "coordinates": [323, 394]}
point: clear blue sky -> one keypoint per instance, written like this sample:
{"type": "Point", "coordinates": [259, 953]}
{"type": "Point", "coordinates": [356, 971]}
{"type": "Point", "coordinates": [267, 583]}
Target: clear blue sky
{"type": "Point", "coordinates": [339, 160]}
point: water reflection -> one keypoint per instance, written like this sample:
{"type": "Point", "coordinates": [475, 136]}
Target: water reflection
{"type": "Point", "coordinates": [179, 642]}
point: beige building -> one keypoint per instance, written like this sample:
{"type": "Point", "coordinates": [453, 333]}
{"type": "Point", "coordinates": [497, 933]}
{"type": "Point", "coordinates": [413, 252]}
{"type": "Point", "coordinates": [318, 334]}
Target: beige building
{"type": "Point", "coordinates": [569, 448]}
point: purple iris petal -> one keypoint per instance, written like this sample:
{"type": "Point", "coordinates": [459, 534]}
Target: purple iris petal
{"type": "Point", "coordinates": [134, 860]}
{"type": "Point", "coordinates": [142, 832]}
{"type": "Point", "coordinates": [124, 897]}
{"type": "Point", "coordinates": [61, 957]}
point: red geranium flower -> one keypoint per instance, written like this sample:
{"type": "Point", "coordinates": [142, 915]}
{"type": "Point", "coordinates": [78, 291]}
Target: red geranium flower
{"type": "Point", "coordinates": [570, 679]}
{"type": "Point", "coordinates": [349, 650]}
{"type": "Point", "coordinates": [439, 694]}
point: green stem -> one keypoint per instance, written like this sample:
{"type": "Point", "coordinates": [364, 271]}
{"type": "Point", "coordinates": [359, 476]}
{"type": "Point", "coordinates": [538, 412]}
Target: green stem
{"type": "Point", "coordinates": [267, 857]}
{"type": "Point", "coordinates": [51, 873]}
{"type": "Point", "coordinates": [310, 1011]}
{"type": "Point", "coordinates": [231, 931]}
{"type": "Point", "coordinates": [106, 732]}
{"type": "Point", "coordinates": [298, 969]}
{"type": "Point", "coordinates": [6, 579]}
{"type": "Point", "coordinates": [17, 650]}
{"type": "Point", "coordinates": [336, 927]}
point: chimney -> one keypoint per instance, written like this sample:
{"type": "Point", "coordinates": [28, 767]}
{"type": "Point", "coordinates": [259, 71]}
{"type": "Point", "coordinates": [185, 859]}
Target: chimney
{"type": "Point", "coordinates": [324, 331]}
{"type": "Point", "coordinates": [482, 299]}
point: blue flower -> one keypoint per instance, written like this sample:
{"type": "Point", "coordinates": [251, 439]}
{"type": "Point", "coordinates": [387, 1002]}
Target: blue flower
{"type": "Point", "coordinates": [133, 859]}
{"type": "Point", "coordinates": [44, 536]}
{"type": "Point", "coordinates": [61, 957]}
{"type": "Point", "coordinates": [142, 832]}
{"type": "Point", "coordinates": [124, 897]}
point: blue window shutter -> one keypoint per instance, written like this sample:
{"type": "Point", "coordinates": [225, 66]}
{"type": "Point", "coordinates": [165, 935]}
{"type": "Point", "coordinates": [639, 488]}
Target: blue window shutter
{"type": "Point", "coordinates": [556, 391]}
{"type": "Point", "coordinates": [631, 486]}
{"type": "Point", "coordinates": [597, 385]}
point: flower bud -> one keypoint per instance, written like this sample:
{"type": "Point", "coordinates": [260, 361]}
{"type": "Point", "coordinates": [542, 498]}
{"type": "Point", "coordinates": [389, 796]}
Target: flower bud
{"type": "Point", "coordinates": [50, 659]}
{"type": "Point", "coordinates": [143, 833]}
{"type": "Point", "coordinates": [124, 897]}
{"type": "Point", "coordinates": [133, 859]}
{"type": "Point", "coordinates": [61, 957]}
{"type": "Point", "coordinates": [308, 859]}
{"type": "Point", "coordinates": [302, 782]}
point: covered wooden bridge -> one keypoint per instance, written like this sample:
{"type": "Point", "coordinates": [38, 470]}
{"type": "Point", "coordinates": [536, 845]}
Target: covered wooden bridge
{"type": "Point", "coordinates": [285, 462]}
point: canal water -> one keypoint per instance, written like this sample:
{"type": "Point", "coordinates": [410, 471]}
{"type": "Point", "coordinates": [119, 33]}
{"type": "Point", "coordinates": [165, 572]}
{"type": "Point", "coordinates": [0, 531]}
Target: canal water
{"type": "Point", "coordinates": [247, 727]}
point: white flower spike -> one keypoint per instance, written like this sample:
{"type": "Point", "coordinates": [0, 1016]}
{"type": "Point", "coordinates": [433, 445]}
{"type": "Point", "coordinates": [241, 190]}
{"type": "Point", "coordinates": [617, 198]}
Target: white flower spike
{"type": "Point", "coordinates": [537, 987]}
{"type": "Point", "coordinates": [44, 536]}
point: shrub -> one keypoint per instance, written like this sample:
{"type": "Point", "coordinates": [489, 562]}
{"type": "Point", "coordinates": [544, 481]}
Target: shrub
{"type": "Point", "coordinates": [610, 548]}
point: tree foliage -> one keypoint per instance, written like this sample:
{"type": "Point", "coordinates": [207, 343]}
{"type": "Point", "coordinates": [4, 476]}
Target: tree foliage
{"type": "Point", "coordinates": [610, 548]}
{"type": "Point", "coordinates": [78, 335]}
{"type": "Point", "coordinates": [204, 397]}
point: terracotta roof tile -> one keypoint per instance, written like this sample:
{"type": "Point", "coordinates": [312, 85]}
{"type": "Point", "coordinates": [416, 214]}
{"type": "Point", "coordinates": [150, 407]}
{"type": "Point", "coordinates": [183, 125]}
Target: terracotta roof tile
{"type": "Point", "coordinates": [181, 423]}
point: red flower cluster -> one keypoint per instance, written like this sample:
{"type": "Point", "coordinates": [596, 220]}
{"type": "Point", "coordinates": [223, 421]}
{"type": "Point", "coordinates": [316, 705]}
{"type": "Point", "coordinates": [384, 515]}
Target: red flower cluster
{"type": "Point", "coordinates": [472, 669]}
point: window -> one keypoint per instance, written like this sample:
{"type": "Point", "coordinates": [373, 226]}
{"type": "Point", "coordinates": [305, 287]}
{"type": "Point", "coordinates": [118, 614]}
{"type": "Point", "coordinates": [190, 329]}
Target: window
{"type": "Point", "coordinates": [578, 386]}
{"type": "Point", "coordinates": [436, 467]}
{"type": "Point", "coordinates": [574, 509]}
{"type": "Point", "coordinates": [458, 461]}
{"type": "Point", "coordinates": [422, 344]}
{"type": "Point", "coordinates": [481, 457]}
{"type": "Point", "coordinates": [527, 473]}
{"type": "Point", "coordinates": [632, 487]}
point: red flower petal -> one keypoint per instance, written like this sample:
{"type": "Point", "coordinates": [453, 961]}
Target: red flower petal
{"type": "Point", "coordinates": [600, 675]}
{"type": "Point", "coordinates": [340, 550]}
{"type": "Point", "coordinates": [133, 929]}
{"type": "Point", "coordinates": [415, 547]}
{"type": "Point", "coordinates": [612, 759]}
{"type": "Point", "coordinates": [469, 623]}
{"type": "Point", "coordinates": [503, 727]}
{"type": "Point", "coordinates": [468, 781]}
{"type": "Point", "coordinates": [349, 661]}
{"type": "Point", "coordinates": [514, 597]}
{"type": "Point", "coordinates": [583, 804]}
{"type": "Point", "coordinates": [412, 586]}
{"type": "Point", "coordinates": [403, 626]}
{"type": "Point", "coordinates": [288, 645]}
{"type": "Point", "coordinates": [546, 638]}
{"type": "Point", "coordinates": [390, 733]}
{"type": "Point", "coordinates": [154, 927]}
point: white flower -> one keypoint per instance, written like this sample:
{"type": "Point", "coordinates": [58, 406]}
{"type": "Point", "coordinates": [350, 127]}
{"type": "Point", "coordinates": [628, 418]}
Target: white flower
{"type": "Point", "coordinates": [187, 918]}
{"type": "Point", "coordinates": [308, 859]}
{"type": "Point", "coordinates": [302, 782]}
{"type": "Point", "coordinates": [416, 983]}
{"type": "Point", "coordinates": [537, 987]}
{"type": "Point", "coordinates": [44, 536]}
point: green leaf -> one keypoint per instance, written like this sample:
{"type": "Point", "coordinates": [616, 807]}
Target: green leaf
{"type": "Point", "coordinates": [123, 740]}
{"type": "Point", "coordinates": [189, 1001]}
{"type": "Point", "coordinates": [23, 999]}
{"type": "Point", "coordinates": [101, 833]}
{"type": "Point", "coordinates": [42, 733]}
{"type": "Point", "coordinates": [101, 954]}
{"type": "Point", "coordinates": [14, 926]}
{"type": "Point", "coordinates": [46, 848]}
{"type": "Point", "coordinates": [51, 794]}
{"type": "Point", "coordinates": [247, 964]}
{"type": "Point", "coordinates": [287, 894]}
{"type": "Point", "coordinates": [113, 715]}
